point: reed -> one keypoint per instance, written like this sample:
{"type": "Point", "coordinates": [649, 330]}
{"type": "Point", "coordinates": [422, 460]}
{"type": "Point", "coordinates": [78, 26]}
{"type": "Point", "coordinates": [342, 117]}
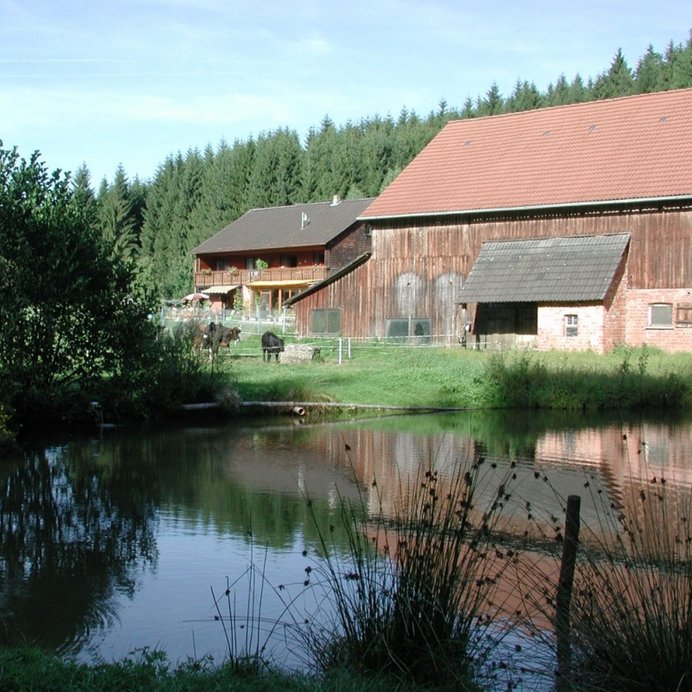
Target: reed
{"type": "Point", "coordinates": [630, 620]}
{"type": "Point", "coordinates": [632, 611]}
{"type": "Point", "coordinates": [417, 593]}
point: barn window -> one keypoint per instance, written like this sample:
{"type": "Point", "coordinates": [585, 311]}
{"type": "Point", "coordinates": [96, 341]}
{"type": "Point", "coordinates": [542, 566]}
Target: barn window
{"type": "Point", "coordinates": [325, 322]}
{"type": "Point", "coordinates": [571, 325]}
{"type": "Point", "coordinates": [401, 328]}
{"type": "Point", "coordinates": [684, 315]}
{"type": "Point", "coordinates": [660, 315]}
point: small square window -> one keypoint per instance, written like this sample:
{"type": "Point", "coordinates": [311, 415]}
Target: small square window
{"type": "Point", "coordinates": [571, 325]}
{"type": "Point", "coordinates": [684, 314]}
{"type": "Point", "coordinates": [660, 315]}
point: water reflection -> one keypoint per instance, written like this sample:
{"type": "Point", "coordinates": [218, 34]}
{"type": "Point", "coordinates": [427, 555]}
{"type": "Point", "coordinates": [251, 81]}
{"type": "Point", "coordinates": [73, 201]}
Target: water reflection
{"type": "Point", "coordinates": [112, 543]}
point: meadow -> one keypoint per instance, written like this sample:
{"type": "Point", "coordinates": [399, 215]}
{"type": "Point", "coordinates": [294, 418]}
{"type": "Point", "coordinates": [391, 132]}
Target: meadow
{"type": "Point", "coordinates": [438, 377]}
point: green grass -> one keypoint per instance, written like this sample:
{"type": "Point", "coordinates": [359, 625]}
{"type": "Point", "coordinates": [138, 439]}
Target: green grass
{"type": "Point", "coordinates": [31, 670]}
{"type": "Point", "coordinates": [435, 377]}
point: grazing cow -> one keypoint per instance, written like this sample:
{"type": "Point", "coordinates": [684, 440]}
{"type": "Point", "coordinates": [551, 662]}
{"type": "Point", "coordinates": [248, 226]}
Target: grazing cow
{"type": "Point", "coordinates": [227, 335]}
{"type": "Point", "coordinates": [271, 344]}
{"type": "Point", "coordinates": [216, 335]}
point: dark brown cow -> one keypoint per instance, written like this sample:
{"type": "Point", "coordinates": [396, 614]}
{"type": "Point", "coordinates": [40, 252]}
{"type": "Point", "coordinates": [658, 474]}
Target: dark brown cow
{"type": "Point", "coordinates": [216, 335]}
{"type": "Point", "coordinates": [271, 344]}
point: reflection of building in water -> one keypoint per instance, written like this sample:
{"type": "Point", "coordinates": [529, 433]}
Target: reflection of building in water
{"type": "Point", "coordinates": [645, 469]}
{"type": "Point", "coordinates": [560, 463]}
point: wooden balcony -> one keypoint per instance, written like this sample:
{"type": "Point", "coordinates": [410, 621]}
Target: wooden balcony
{"type": "Point", "coordinates": [249, 276]}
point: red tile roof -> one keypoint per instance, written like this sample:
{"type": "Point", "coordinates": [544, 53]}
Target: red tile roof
{"type": "Point", "coordinates": [636, 147]}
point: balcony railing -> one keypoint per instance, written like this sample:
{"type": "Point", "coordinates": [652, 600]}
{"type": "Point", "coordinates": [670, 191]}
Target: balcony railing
{"type": "Point", "coordinates": [248, 276]}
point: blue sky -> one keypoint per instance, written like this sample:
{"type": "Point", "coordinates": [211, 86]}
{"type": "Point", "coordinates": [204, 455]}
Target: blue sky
{"type": "Point", "coordinates": [109, 82]}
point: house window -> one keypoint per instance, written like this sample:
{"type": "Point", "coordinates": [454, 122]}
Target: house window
{"type": "Point", "coordinates": [318, 258]}
{"type": "Point", "coordinates": [660, 315]}
{"type": "Point", "coordinates": [325, 322]}
{"type": "Point", "coordinates": [289, 261]}
{"type": "Point", "coordinates": [571, 325]}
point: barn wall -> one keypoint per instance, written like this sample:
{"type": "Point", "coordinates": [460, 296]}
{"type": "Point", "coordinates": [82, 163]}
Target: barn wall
{"type": "Point", "coordinates": [347, 247]}
{"type": "Point", "coordinates": [677, 337]}
{"type": "Point", "coordinates": [418, 266]}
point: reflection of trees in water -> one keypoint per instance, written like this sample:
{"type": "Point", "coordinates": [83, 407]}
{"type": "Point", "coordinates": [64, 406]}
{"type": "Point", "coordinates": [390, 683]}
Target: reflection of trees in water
{"type": "Point", "coordinates": [72, 533]}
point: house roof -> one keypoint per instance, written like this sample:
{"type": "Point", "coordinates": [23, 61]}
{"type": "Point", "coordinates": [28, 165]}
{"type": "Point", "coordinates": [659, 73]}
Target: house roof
{"type": "Point", "coordinates": [546, 270]}
{"type": "Point", "coordinates": [295, 226]}
{"type": "Point", "coordinates": [631, 148]}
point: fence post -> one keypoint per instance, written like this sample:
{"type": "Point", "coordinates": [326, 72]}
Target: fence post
{"type": "Point", "coordinates": [349, 348]}
{"type": "Point", "coordinates": [564, 593]}
{"type": "Point", "coordinates": [340, 348]}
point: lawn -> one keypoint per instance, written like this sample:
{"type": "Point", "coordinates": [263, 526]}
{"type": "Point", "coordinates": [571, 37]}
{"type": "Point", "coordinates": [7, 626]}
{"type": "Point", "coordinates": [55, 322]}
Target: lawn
{"type": "Point", "coordinates": [389, 375]}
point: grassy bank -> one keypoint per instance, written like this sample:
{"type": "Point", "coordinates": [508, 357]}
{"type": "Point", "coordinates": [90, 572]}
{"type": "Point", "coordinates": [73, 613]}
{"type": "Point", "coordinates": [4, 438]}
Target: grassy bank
{"type": "Point", "coordinates": [634, 379]}
{"type": "Point", "coordinates": [30, 669]}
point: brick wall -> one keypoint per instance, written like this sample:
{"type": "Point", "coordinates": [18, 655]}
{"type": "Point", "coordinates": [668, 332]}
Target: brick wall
{"type": "Point", "coordinates": [677, 337]}
{"type": "Point", "coordinates": [590, 328]}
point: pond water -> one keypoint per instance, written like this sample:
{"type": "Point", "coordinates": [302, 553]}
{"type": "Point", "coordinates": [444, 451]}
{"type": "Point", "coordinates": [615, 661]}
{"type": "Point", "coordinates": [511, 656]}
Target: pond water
{"type": "Point", "coordinates": [123, 539]}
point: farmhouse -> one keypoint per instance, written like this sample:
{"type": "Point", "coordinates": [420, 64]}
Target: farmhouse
{"type": "Point", "coordinates": [267, 255]}
{"type": "Point", "coordinates": [566, 227]}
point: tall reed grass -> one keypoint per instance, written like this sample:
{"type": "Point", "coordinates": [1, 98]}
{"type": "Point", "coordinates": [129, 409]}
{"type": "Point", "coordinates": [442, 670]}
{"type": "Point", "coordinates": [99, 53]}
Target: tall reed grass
{"type": "Point", "coordinates": [417, 593]}
{"type": "Point", "coordinates": [630, 620]}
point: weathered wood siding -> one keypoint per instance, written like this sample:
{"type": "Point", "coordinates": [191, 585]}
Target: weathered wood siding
{"type": "Point", "coordinates": [418, 266]}
{"type": "Point", "coordinates": [347, 247]}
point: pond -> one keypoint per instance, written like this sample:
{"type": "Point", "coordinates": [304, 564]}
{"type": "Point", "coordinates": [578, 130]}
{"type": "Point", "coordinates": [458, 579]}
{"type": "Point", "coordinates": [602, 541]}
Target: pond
{"type": "Point", "coordinates": [126, 539]}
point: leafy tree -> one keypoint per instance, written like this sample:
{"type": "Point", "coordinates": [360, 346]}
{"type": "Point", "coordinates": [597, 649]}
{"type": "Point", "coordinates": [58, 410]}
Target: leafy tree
{"type": "Point", "coordinates": [71, 310]}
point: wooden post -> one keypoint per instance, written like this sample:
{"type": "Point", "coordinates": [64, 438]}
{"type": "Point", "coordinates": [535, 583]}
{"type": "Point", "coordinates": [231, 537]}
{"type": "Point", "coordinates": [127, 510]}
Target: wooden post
{"type": "Point", "coordinates": [564, 592]}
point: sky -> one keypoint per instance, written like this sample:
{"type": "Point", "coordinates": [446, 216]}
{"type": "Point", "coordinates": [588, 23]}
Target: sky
{"type": "Point", "coordinates": [110, 83]}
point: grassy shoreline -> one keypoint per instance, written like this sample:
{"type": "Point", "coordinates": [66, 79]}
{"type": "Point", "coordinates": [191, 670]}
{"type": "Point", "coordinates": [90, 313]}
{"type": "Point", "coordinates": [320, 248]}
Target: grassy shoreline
{"type": "Point", "coordinates": [627, 379]}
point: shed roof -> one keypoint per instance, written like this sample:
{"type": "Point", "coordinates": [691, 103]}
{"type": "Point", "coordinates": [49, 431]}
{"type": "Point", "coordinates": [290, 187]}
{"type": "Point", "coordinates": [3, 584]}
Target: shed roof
{"type": "Point", "coordinates": [613, 151]}
{"type": "Point", "coordinates": [294, 226]}
{"type": "Point", "coordinates": [546, 270]}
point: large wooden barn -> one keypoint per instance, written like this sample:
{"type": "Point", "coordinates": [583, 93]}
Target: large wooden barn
{"type": "Point", "coordinates": [566, 227]}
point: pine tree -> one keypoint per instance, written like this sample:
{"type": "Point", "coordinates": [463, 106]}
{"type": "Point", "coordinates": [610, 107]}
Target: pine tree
{"type": "Point", "coordinates": [649, 74]}
{"type": "Point", "coordinates": [117, 219]}
{"type": "Point", "coordinates": [617, 81]}
{"type": "Point", "coordinates": [525, 97]}
{"type": "Point", "coordinates": [492, 103]}
{"type": "Point", "coordinates": [560, 94]}
{"type": "Point", "coordinates": [681, 69]}
{"type": "Point", "coordinates": [275, 179]}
